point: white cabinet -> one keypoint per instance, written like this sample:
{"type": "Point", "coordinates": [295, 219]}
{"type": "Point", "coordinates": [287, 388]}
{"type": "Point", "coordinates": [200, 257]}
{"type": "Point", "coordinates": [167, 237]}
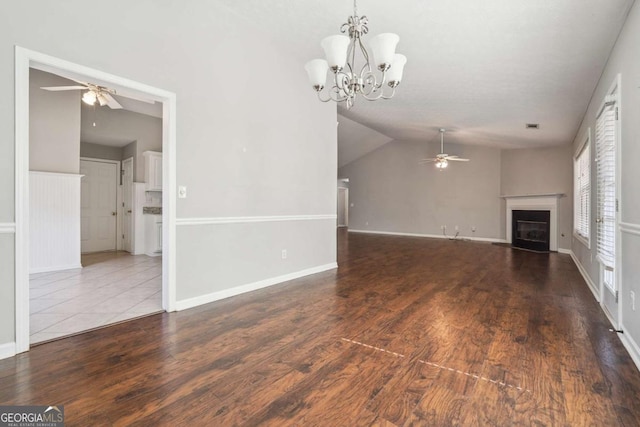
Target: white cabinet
{"type": "Point", "coordinates": [153, 170]}
{"type": "Point", "coordinates": [153, 235]}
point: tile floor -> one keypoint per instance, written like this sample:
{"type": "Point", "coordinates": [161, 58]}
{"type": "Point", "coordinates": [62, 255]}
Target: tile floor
{"type": "Point", "coordinates": [112, 286]}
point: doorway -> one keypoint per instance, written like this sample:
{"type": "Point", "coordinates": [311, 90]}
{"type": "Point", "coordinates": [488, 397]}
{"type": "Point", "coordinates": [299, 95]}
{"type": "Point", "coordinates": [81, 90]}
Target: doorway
{"type": "Point", "coordinates": [343, 207]}
{"type": "Point", "coordinates": [99, 205]}
{"type": "Point", "coordinates": [26, 59]}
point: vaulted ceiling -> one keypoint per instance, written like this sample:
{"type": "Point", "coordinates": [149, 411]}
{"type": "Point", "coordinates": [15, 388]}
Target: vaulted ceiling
{"type": "Point", "coordinates": [481, 69]}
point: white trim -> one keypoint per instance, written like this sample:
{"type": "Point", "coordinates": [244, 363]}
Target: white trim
{"type": "Point", "coordinates": [607, 313]}
{"type": "Point", "coordinates": [24, 59]}
{"type": "Point", "coordinates": [592, 286]}
{"type": "Point", "coordinates": [7, 227]}
{"type": "Point", "coordinates": [564, 251]}
{"type": "Point", "coordinates": [226, 293]}
{"type": "Point", "coordinates": [629, 228]}
{"type": "Point", "coordinates": [519, 196]}
{"type": "Point", "coordinates": [431, 236]}
{"type": "Point", "coordinates": [549, 203]}
{"type": "Point", "coordinates": [7, 350]}
{"type": "Point", "coordinates": [249, 219]}
{"type": "Point", "coordinates": [632, 347]}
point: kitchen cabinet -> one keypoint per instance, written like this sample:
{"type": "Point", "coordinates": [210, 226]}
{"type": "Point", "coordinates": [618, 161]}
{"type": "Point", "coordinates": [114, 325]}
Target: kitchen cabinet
{"type": "Point", "coordinates": [153, 170]}
{"type": "Point", "coordinates": [153, 235]}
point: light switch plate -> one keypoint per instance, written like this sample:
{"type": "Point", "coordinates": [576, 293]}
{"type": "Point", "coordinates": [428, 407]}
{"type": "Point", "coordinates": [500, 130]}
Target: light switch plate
{"type": "Point", "coordinates": [182, 192]}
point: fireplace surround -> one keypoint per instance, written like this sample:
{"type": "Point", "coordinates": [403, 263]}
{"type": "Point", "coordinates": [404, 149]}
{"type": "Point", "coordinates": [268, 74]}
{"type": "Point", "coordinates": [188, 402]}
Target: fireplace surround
{"type": "Point", "coordinates": [535, 202]}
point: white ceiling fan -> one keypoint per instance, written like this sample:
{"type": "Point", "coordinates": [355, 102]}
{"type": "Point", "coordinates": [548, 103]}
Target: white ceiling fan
{"type": "Point", "coordinates": [94, 93]}
{"type": "Point", "coordinates": [442, 160]}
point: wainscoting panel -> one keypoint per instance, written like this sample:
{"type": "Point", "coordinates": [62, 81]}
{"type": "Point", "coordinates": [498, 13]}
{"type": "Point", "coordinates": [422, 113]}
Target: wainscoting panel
{"type": "Point", "coordinates": [54, 221]}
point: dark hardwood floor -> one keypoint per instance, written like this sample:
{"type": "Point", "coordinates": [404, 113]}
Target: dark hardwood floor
{"type": "Point", "coordinates": [408, 331]}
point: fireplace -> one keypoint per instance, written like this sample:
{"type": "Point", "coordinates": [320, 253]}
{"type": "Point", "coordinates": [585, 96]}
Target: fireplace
{"type": "Point", "coordinates": [531, 229]}
{"type": "Point", "coordinates": [534, 202]}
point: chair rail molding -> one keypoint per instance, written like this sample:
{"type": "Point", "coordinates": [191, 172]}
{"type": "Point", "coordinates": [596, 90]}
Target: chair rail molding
{"type": "Point", "coordinates": [630, 228]}
{"type": "Point", "coordinates": [7, 227]}
{"type": "Point", "coordinates": [250, 219]}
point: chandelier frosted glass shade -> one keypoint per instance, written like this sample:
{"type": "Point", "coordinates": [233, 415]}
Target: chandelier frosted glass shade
{"type": "Point", "coordinates": [335, 50]}
{"type": "Point", "coordinates": [354, 70]}
{"type": "Point", "coordinates": [383, 48]}
{"type": "Point", "coordinates": [317, 72]}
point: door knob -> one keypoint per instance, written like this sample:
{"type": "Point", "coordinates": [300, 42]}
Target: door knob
{"type": "Point", "coordinates": [129, 211]}
{"type": "Point", "coordinates": [113, 213]}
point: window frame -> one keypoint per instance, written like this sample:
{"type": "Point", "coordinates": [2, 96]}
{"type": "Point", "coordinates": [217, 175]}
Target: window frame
{"type": "Point", "coordinates": [583, 149]}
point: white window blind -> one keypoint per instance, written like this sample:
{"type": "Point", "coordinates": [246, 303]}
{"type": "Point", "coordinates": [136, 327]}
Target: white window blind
{"type": "Point", "coordinates": [606, 188]}
{"type": "Point", "coordinates": [582, 191]}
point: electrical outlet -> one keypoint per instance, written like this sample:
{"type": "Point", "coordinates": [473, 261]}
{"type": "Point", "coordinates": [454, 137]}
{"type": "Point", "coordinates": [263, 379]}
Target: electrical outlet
{"type": "Point", "coordinates": [457, 228]}
{"type": "Point", "coordinates": [284, 254]}
{"type": "Point", "coordinates": [633, 300]}
{"type": "Point", "coordinates": [473, 228]}
{"type": "Point", "coordinates": [443, 227]}
{"type": "Point", "coordinates": [366, 223]}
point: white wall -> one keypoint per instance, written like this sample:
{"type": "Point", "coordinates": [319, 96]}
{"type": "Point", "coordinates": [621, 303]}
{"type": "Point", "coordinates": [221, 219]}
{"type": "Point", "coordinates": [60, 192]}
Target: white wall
{"type": "Point", "coordinates": [624, 60]}
{"type": "Point", "coordinates": [391, 192]}
{"type": "Point", "coordinates": [257, 145]}
{"type": "Point", "coordinates": [54, 125]}
{"type": "Point", "coordinates": [539, 171]}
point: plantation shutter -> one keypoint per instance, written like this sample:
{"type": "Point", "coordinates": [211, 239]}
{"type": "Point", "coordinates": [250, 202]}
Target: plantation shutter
{"type": "Point", "coordinates": [606, 187]}
{"type": "Point", "coordinates": [582, 185]}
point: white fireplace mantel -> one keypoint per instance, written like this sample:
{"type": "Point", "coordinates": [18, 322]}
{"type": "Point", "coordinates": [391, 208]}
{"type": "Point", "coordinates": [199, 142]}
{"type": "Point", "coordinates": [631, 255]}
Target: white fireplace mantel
{"type": "Point", "coordinates": [548, 201]}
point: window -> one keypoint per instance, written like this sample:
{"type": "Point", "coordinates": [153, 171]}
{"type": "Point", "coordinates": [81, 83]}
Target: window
{"type": "Point", "coordinates": [582, 190]}
{"type": "Point", "coordinates": [606, 141]}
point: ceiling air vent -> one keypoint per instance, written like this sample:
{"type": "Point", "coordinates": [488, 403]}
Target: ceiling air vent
{"type": "Point", "coordinates": [532, 125]}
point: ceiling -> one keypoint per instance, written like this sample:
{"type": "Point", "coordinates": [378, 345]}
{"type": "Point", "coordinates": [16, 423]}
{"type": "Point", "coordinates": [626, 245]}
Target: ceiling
{"type": "Point", "coordinates": [480, 69]}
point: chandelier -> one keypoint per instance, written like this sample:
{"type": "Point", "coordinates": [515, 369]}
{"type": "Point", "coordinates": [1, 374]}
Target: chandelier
{"type": "Point", "coordinates": [349, 81]}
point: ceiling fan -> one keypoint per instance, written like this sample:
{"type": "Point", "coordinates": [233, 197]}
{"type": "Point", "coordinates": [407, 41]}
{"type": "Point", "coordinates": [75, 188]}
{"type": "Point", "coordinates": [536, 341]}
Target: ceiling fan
{"type": "Point", "coordinates": [442, 160]}
{"type": "Point", "coordinates": [94, 93]}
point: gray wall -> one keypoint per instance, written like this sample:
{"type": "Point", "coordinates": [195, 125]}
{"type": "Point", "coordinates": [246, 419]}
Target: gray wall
{"type": "Point", "coordinates": [54, 125]}
{"type": "Point", "coordinates": [539, 171]}
{"type": "Point", "coordinates": [97, 151]}
{"type": "Point", "coordinates": [391, 192]}
{"type": "Point", "coordinates": [121, 127]}
{"type": "Point", "coordinates": [624, 60]}
{"type": "Point", "coordinates": [242, 149]}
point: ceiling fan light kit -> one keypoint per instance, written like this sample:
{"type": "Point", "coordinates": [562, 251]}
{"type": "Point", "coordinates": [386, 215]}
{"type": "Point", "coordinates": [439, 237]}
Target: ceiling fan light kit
{"type": "Point", "coordinates": [340, 53]}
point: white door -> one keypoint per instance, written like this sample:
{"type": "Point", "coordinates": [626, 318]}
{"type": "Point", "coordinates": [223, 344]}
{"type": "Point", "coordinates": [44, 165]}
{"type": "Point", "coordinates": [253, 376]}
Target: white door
{"type": "Point", "coordinates": [98, 206]}
{"type": "Point", "coordinates": [127, 195]}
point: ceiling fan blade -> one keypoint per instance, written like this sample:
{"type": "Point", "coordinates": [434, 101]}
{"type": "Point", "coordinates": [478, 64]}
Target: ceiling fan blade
{"type": "Point", "coordinates": [60, 88]}
{"type": "Point", "coordinates": [111, 102]}
{"type": "Point", "coordinates": [457, 159]}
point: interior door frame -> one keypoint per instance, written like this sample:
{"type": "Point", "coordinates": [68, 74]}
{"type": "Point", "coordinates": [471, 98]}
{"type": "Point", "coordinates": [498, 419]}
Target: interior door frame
{"type": "Point", "coordinates": [344, 192]}
{"type": "Point", "coordinates": [25, 59]}
{"type": "Point", "coordinates": [122, 204]}
{"type": "Point", "coordinates": [119, 209]}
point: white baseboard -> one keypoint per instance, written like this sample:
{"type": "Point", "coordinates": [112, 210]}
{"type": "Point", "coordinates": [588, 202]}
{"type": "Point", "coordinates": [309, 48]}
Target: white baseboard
{"type": "Point", "coordinates": [631, 346]}
{"type": "Point", "coordinates": [57, 268]}
{"type": "Point", "coordinates": [7, 350]}
{"type": "Point", "coordinates": [215, 296]}
{"type": "Point", "coordinates": [432, 236]}
{"type": "Point", "coordinates": [564, 251]}
{"type": "Point", "coordinates": [585, 276]}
